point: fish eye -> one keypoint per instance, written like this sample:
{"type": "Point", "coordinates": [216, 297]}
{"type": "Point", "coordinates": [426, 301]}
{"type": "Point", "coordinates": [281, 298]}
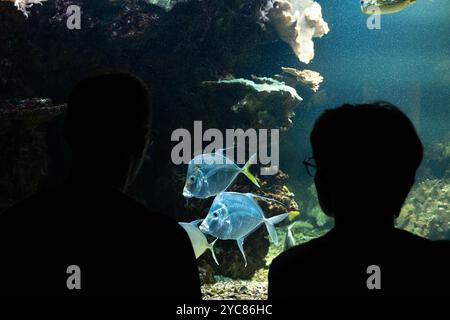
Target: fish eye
{"type": "Point", "coordinates": [215, 214]}
{"type": "Point", "coordinates": [192, 178]}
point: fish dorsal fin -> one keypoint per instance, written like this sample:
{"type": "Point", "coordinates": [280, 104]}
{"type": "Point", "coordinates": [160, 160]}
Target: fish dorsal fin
{"type": "Point", "coordinates": [221, 151]}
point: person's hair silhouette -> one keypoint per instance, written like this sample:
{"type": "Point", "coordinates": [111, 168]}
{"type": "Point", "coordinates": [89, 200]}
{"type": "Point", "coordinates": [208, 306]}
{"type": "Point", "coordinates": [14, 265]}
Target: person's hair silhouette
{"type": "Point", "coordinates": [366, 157]}
{"type": "Point", "coordinates": [121, 248]}
{"type": "Point", "coordinates": [108, 128]}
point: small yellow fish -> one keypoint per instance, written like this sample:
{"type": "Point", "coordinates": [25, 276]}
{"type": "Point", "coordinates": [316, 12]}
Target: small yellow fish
{"type": "Point", "coordinates": [384, 6]}
{"type": "Point", "coordinates": [293, 214]}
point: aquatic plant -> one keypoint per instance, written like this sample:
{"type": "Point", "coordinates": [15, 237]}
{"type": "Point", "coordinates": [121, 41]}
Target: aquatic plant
{"type": "Point", "coordinates": [297, 23]}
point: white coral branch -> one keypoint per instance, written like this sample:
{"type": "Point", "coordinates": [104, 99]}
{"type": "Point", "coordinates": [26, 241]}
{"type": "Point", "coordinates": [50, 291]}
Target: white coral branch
{"type": "Point", "coordinates": [23, 5]}
{"type": "Point", "coordinates": [297, 23]}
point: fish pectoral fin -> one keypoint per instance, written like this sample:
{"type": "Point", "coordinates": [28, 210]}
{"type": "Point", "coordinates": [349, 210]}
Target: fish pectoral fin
{"type": "Point", "coordinates": [240, 243]}
{"type": "Point", "coordinates": [211, 247]}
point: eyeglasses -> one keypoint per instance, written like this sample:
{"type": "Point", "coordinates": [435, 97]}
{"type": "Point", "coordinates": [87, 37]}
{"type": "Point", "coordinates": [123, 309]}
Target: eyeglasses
{"type": "Point", "coordinates": [311, 166]}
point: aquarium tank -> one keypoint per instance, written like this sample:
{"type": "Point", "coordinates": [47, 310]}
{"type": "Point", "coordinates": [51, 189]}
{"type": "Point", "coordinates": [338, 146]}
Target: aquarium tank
{"type": "Point", "coordinates": [269, 66]}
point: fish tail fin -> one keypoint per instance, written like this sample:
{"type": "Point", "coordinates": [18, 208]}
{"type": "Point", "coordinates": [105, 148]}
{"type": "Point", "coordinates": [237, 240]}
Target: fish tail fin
{"type": "Point", "coordinates": [211, 247]}
{"type": "Point", "coordinates": [270, 224]}
{"type": "Point", "coordinates": [246, 170]}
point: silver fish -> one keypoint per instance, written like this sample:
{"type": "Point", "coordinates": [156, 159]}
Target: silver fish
{"type": "Point", "coordinates": [235, 215]}
{"type": "Point", "coordinates": [212, 173]}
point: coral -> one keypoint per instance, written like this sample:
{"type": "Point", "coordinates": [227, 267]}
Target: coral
{"type": "Point", "coordinates": [437, 159]}
{"type": "Point", "coordinates": [426, 211]}
{"type": "Point", "coordinates": [297, 22]}
{"type": "Point", "coordinates": [311, 79]}
{"type": "Point", "coordinates": [260, 84]}
{"type": "Point", "coordinates": [23, 5]}
{"type": "Point", "coordinates": [166, 4]}
{"type": "Point", "coordinates": [265, 102]}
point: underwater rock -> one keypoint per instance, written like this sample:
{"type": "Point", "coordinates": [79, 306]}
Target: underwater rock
{"type": "Point", "coordinates": [297, 22]}
{"type": "Point", "coordinates": [309, 78]}
{"type": "Point", "coordinates": [426, 211]}
{"type": "Point", "coordinates": [24, 160]}
{"type": "Point", "coordinates": [206, 272]}
{"type": "Point", "coordinates": [264, 102]}
{"type": "Point", "coordinates": [231, 262]}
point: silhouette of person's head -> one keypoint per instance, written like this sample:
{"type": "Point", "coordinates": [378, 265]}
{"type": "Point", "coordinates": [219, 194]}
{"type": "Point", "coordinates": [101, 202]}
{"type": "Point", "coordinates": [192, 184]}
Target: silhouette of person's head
{"type": "Point", "coordinates": [108, 128]}
{"type": "Point", "coordinates": [366, 156]}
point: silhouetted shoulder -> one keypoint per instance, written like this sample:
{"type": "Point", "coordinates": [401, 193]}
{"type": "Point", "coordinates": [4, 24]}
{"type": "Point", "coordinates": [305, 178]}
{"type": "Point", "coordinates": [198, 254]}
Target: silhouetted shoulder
{"type": "Point", "coordinates": [122, 248]}
{"type": "Point", "coordinates": [288, 271]}
{"type": "Point", "coordinates": [411, 266]}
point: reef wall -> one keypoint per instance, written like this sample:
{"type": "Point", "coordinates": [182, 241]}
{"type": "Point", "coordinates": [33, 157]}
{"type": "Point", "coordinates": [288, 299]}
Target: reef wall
{"type": "Point", "coordinates": [24, 160]}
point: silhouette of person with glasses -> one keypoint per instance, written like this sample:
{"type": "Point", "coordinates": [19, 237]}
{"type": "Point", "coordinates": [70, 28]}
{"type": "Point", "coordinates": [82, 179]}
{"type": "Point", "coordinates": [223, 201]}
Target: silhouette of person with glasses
{"type": "Point", "coordinates": [364, 162]}
{"type": "Point", "coordinates": [87, 238]}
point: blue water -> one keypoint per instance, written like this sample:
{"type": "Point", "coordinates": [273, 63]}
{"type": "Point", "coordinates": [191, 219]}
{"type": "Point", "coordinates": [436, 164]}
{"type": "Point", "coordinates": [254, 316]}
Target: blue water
{"type": "Point", "coordinates": [406, 62]}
